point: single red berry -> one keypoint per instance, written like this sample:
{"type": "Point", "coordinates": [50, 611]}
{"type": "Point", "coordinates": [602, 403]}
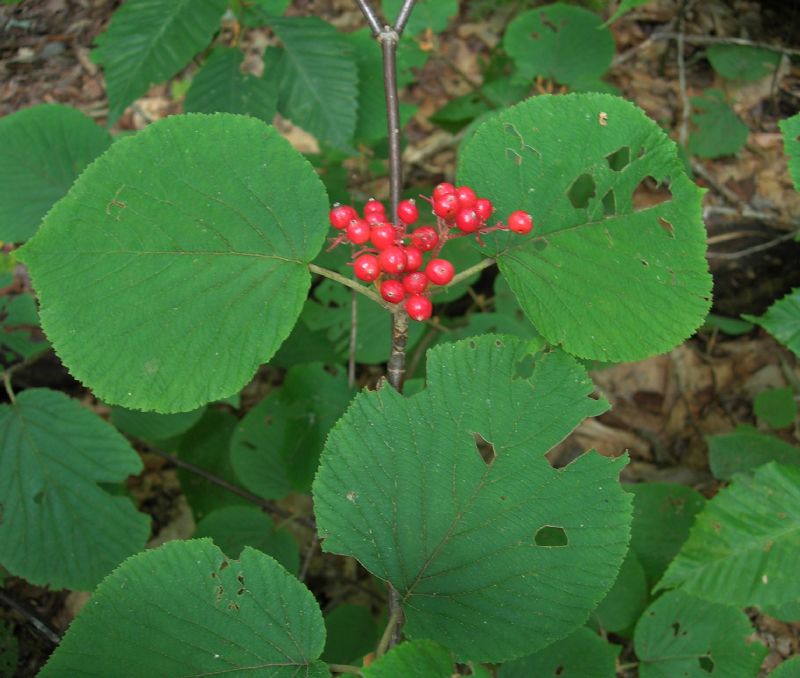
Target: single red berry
{"type": "Point", "coordinates": [443, 189]}
{"type": "Point", "coordinates": [468, 221]}
{"type": "Point", "coordinates": [375, 218]}
{"type": "Point", "coordinates": [446, 206]}
{"type": "Point", "coordinates": [418, 307]}
{"type": "Point", "coordinates": [425, 238]}
{"type": "Point", "coordinates": [367, 268]}
{"type": "Point", "coordinates": [466, 197]}
{"type": "Point", "coordinates": [374, 207]}
{"type": "Point", "coordinates": [341, 215]}
{"type": "Point", "coordinates": [393, 260]}
{"type": "Point", "coordinates": [407, 212]}
{"type": "Point", "coordinates": [413, 258]}
{"type": "Point", "coordinates": [484, 208]}
{"type": "Point", "coordinates": [392, 291]}
{"type": "Point", "coordinates": [358, 231]}
{"type": "Point", "coordinates": [383, 236]}
{"type": "Point", "coordinates": [415, 283]}
{"type": "Point", "coordinates": [520, 222]}
{"type": "Point", "coordinates": [439, 271]}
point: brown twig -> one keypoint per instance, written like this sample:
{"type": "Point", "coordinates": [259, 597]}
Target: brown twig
{"type": "Point", "coordinates": [43, 629]}
{"type": "Point", "coordinates": [754, 249]}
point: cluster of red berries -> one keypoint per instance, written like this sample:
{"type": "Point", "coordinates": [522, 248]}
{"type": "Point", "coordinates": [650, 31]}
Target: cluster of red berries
{"type": "Point", "coordinates": [393, 257]}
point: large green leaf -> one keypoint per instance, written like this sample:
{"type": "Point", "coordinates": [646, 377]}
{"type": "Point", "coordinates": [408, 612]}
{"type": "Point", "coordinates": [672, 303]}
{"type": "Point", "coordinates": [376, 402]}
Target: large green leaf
{"type": "Point", "coordinates": [791, 146]}
{"type": "Point", "coordinates": [480, 553]}
{"type": "Point", "coordinates": [743, 549]}
{"type": "Point", "coordinates": [59, 527]}
{"type": "Point", "coordinates": [43, 149]}
{"type": "Point", "coordinates": [718, 130]}
{"type": "Point", "coordinates": [317, 79]}
{"type": "Point", "coordinates": [154, 427]}
{"type": "Point", "coordinates": [184, 609]}
{"type": "Point", "coordinates": [740, 62]}
{"type": "Point", "coordinates": [782, 320]}
{"type": "Point", "coordinates": [149, 41]}
{"type": "Point", "coordinates": [790, 668]}
{"type": "Point", "coordinates": [610, 286]}
{"type": "Point", "coordinates": [414, 659]}
{"type": "Point", "coordinates": [427, 14]}
{"type": "Point", "coordinates": [680, 635]}
{"type": "Point", "coordinates": [178, 262]}
{"type": "Point", "coordinates": [745, 449]}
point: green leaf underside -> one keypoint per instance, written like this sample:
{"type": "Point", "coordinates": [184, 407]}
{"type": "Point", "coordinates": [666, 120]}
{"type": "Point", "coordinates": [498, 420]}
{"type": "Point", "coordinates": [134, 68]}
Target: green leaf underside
{"type": "Point", "coordinates": [739, 62]}
{"type": "Point", "coordinates": [581, 655]}
{"type": "Point", "coordinates": [776, 406]}
{"type": "Point", "coordinates": [153, 427]}
{"type": "Point", "coordinates": [149, 41]}
{"type": "Point", "coordinates": [184, 609]}
{"type": "Point", "coordinates": [403, 489]}
{"type": "Point", "coordinates": [719, 131]}
{"type": "Point", "coordinates": [178, 262]}
{"type": "Point", "coordinates": [610, 287]}
{"type": "Point", "coordinates": [427, 14]}
{"type": "Point", "coordinates": [413, 659]}
{"type": "Point", "coordinates": [43, 149]}
{"type": "Point", "coordinates": [59, 527]}
{"type": "Point", "coordinates": [680, 635]}
{"type": "Point", "coordinates": [747, 448]}
{"type": "Point", "coordinates": [743, 547]}
{"type": "Point", "coordinates": [791, 146]}
{"type": "Point", "coordinates": [317, 79]}
{"type": "Point", "coordinates": [221, 87]}
{"type": "Point", "coordinates": [782, 319]}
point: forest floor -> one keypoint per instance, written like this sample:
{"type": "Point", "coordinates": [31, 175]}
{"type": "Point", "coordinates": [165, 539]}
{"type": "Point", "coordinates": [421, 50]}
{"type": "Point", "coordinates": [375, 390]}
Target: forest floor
{"type": "Point", "coordinates": [664, 407]}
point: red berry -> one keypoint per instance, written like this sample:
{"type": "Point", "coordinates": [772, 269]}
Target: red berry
{"type": "Point", "coordinates": [520, 222]}
{"type": "Point", "coordinates": [425, 238]}
{"type": "Point", "coordinates": [375, 218]}
{"type": "Point", "coordinates": [443, 189]}
{"type": "Point", "coordinates": [367, 268]}
{"type": "Point", "coordinates": [374, 207]}
{"type": "Point", "coordinates": [413, 258]}
{"type": "Point", "coordinates": [415, 283]}
{"type": "Point", "coordinates": [484, 208]}
{"type": "Point", "coordinates": [446, 206]}
{"type": "Point", "coordinates": [468, 221]}
{"type": "Point", "coordinates": [466, 197]}
{"type": "Point", "coordinates": [407, 212]}
{"type": "Point", "coordinates": [358, 231]}
{"type": "Point", "coordinates": [392, 291]}
{"type": "Point", "coordinates": [341, 215]}
{"type": "Point", "coordinates": [419, 307]}
{"type": "Point", "coordinates": [393, 260]}
{"type": "Point", "coordinates": [439, 271]}
{"type": "Point", "coordinates": [383, 236]}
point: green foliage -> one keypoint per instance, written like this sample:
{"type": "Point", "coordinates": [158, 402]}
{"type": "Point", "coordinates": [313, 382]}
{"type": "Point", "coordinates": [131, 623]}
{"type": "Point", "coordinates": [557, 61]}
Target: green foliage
{"type": "Point", "coordinates": [59, 526]}
{"type": "Point", "coordinates": [791, 145]}
{"type": "Point", "coordinates": [619, 610]}
{"type": "Point", "coordinates": [43, 149]}
{"type": "Point", "coordinates": [256, 13]}
{"type": "Point", "coordinates": [212, 621]}
{"type": "Point", "coordinates": [452, 532]}
{"type": "Point", "coordinates": [741, 545]}
{"type": "Point", "coordinates": [624, 7]}
{"type": "Point", "coordinates": [201, 252]}
{"type": "Point", "coordinates": [739, 62]}
{"type": "Point", "coordinates": [154, 427]}
{"type": "Point", "coordinates": [745, 449]}
{"type": "Point", "coordinates": [718, 130]}
{"type": "Point", "coordinates": [9, 651]}
{"type": "Point", "coordinates": [459, 112]}
{"type": "Point", "coordinates": [612, 287]}
{"type": "Point", "coordinates": [776, 406]}
{"type": "Point", "coordinates": [790, 668]}
{"type": "Point", "coordinates": [351, 634]}
{"type": "Point", "coordinates": [431, 15]}
{"type": "Point", "coordinates": [730, 326]}
{"type": "Point", "coordinates": [19, 319]}
{"type": "Point", "coordinates": [782, 320]}
{"type": "Point", "coordinates": [149, 41]}
{"type": "Point", "coordinates": [679, 635]}
{"type": "Point", "coordinates": [414, 659]}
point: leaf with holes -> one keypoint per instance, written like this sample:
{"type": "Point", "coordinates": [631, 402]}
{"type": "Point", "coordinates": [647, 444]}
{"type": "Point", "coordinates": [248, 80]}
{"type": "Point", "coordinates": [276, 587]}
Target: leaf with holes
{"type": "Point", "coordinates": [791, 146]}
{"type": "Point", "coordinates": [414, 659]}
{"type": "Point", "coordinates": [427, 14]}
{"type": "Point", "coordinates": [740, 62]}
{"type": "Point", "coordinates": [149, 41]}
{"type": "Point", "coordinates": [747, 448]}
{"type": "Point", "coordinates": [782, 320]}
{"type": "Point", "coordinates": [178, 262]}
{"type": "Point", "coordinates": [60, 527]}
{"type": "Point", "coordinates": [185, 609]}
{"type": "Point", "coordinates": [680, 635]}
{"type": "Point", "coordinates": [42, 151]}
{"type": "Point", "coordinates": [743, 545]}
{"type": "Point", "coordinates": [718, 130]}
{"type": "Point", "coordinates": [600, 276]}
{"type": "Point", "coordinates": [447, 495]}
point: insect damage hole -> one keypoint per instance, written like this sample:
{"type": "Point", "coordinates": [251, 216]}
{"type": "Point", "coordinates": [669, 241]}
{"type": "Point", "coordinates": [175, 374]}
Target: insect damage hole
{"type": "Point", "coordinates": [619, 159]}
{"type": "Point", "coordinates": [551, 536]}
{"type": "Point", "coordinates": [650, 193]}
{"type": "Point", "coordinates": [669, 229]}
{"type": "Point", "coordinates": [581, 191]}
{"type": "Point", "coordinates": [609, 204]}
{"type": "Point", "coordinates": [706, 663]}
{"type": "Point", "coordinates": [485, 449]}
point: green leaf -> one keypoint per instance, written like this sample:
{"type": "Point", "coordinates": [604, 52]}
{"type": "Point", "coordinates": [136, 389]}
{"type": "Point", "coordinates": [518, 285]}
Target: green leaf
{"type": "Point", "coordinates": [352, 633]}
{"type": "Point", "coordinates": [9, 651]}
{"type": "Point", "coordinates": [411, 59]}
{"type": "Point", "coordinates": [776, 406]}
{"type": "Point", "coordinates": [742, 542]}
{"type": "Point", "coordinates": [427, 14]}
{"type": "Point", "coordinates": [495, 94]}
{"type": "Point", "coordinates": [43, 149]}
{"type": "Point", "coordinates": [790, 668]}
{"type": "Point", "coordinates": [177, 264]}
{"type": "Point", "coordinates": [745, 449]}
{"type": "Point", "coordinates": [154, 427]}
{"type": "Point", "coordinates": [413, 659]}
{"type": "Point", "coordinates": [565, 43]}
{"type": "Point", "coordinates": [718, 130]}
{"type": "Point", "coordinates": [663, 513]}
{"type": "Point", "coordinates": [59, 527]}
{"type": "Point", "coordinates": [261, 12]}
{"type": "Point", "coordinates": [782, 320]}
{"type": "Point", "coordinates": [19, 326]}
{"type": "Point", "coordinates": [791, 146]}
{"type": "Point", "coordinates": [619, 610]}
{"type": "Point", "coordinates": [581, 655]}
{"type": "Point", "coordinates": [221, 87]}
{"type": "Point", "coordinates": [317, 79]}
{"type": "Point", "coordinates": [730, 326]}
{"type": "Point", "coordinates": [679, 635]}
{"type": "Point", "coordinates": [185, 609]}
{"type": "Point", "coordinates": [624, 7]}
{"type": "Point", "coordinates": [404, 488]}
{"type": "Point", "coordinates": [233, 528]}
{"type": "Point", "coordinates": [149, 41]}
{"type": "Point", "coordinates": [612, 287]}
{"type": "Point", "coordinates": [739, 62]}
